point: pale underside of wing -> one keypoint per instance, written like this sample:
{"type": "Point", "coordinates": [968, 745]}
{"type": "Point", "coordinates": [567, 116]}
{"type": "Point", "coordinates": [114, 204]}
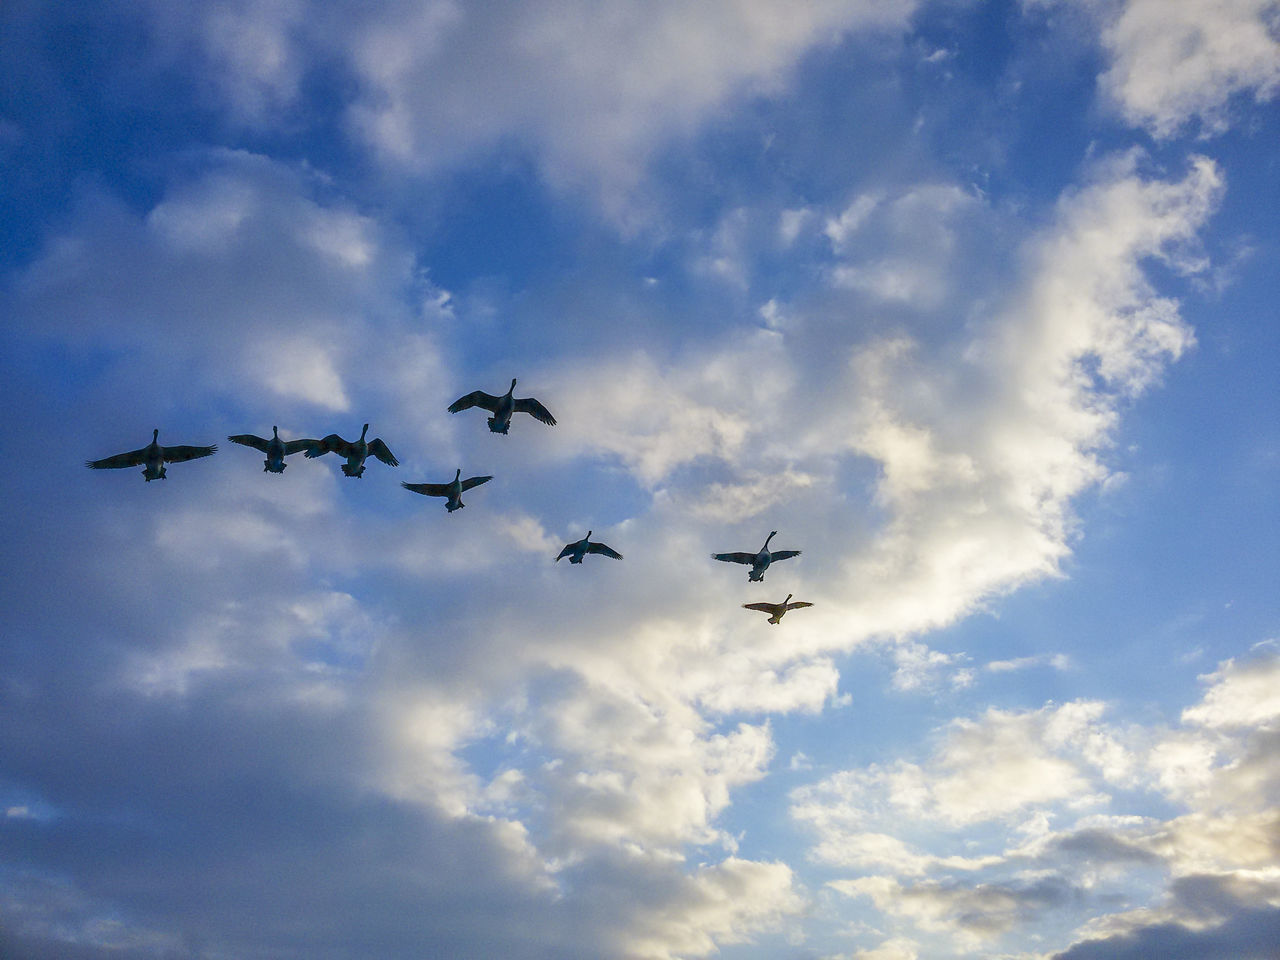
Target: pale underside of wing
{"type": "Point", "coordinates": [535, 409]}
{"type": "Point", "coordinates": [131, 459]}
{"type": "Point", "coordinates": [605, 549]}
{"type": "Point", "coordinates": [428, 489]}
{"type": "Point", "coordinates": [798, 604]}
{"type": "Point", "coordinates": [249, 440]}
{"type": "Point", "coordinates": [763, 607]}
{"type": "Point", "coordinates": [476, 398]}
{"type": "Point", "coordinates": [379, 450]}
{"type": "Point", "coordinates": [470, 482]}
{"type": "Point", "coordinates": [776, 555]}
{"type": "Point", "coordinates": [735, 557]}
{"type": "Point", "coordinates": [184, 453]}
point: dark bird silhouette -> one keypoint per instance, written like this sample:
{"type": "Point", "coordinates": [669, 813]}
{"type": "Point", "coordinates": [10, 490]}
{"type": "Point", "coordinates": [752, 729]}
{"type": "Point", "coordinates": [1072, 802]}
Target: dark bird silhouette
{"type": "Point", "coordinates": [503, 407]}
{"type": "Point", "coordinates": [452, 490]}
{"type": "Point", "coordinates": [578, 549]}
{"type": "Point", "coordinates": [275, 448]}
{"type": "Point", "coordinates": [777, 610]}
{"type": "Point", "coordinates": [759, 561]}
{"type": "Point", "coordinates": [356, 453]}
{"type": "Point", "coordinates": [152, 458]}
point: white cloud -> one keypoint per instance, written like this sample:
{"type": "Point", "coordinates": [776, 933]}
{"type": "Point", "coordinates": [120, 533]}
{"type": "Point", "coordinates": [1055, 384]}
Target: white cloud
{"type": "Point", "coordinates": [1245, 694]}
{"type": "Point", "coordinates": [898, 948]}
{"type": "Point", "coordinates": [721, 904]}
{"type": "Point", "coordinates": [910, 257]}
{"type": "Point", "coordinates": [592, 89]}
{"type": "Point", "coordinates": [237, 280]}
{"type": "Point", "coordinates": [1175, 61]}
{"type": "Point", "coordinates": [913, 831]}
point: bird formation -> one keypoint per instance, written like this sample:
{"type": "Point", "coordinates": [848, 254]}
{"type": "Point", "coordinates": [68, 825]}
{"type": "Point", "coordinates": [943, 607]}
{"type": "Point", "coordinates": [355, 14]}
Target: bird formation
{"type": "Point", "coordinates": [153, 458]}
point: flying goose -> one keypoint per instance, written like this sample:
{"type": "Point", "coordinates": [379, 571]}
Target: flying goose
{"type": "Point", "coordinates": [578, 549]}
{"type": "Point", "coordinates": [777, 610]}
{"type": "Point", "coordinates": [152, 457]}
{"type": "Point", "coordinates": [503, 407]}
{"type": "Point", "coordinates": [759, 561]}
{"type": "Point", "coordinates": [453, 490]}
{"type": "Point", "coordinates": [275, 448]}
{"type": "Point", "coordinates": [356, 453]}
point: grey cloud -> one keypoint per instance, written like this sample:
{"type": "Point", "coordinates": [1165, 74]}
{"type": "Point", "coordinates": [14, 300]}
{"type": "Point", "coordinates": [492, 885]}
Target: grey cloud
{"type": "Point", "coordinates": [1251, 934]}
{"type": "Point", "coordinates": [1104, 846]}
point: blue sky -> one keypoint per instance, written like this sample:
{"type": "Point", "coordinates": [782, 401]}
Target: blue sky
{"type": "Point", "coordinates": [973, 302]}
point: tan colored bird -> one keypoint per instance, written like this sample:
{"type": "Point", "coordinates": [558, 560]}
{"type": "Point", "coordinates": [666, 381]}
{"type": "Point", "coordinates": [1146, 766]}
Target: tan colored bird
{"type": "Point", "coordinates": [776, 611]}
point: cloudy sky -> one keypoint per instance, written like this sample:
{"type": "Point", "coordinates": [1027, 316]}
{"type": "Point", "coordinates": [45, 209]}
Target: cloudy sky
{"type": "Point", "coordinates": [973, 301]}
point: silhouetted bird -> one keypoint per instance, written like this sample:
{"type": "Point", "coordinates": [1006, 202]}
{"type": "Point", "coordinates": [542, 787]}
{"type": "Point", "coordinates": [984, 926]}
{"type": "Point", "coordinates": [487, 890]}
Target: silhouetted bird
{"type": "Point", "coordinates": [580, 548]}
{"type": "Point", "coordinates": [275, 448]}
{"type": "Point", "coordinates": [503, 407]}
{"type": "Point", "coordinates": [759, 561]}
{"type": "Point", "coordinates": [452, 490]}
{"type": "Point", "coordinates": [356, 453]}
{"type": "Point", "coordinates": [776, 611]}
{"type": "Point", "coordinates": [153, 457]}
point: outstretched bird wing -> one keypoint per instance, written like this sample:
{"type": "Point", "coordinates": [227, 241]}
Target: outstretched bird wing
{"type": "Point", "coordinates": [763, 607]}
{"type": "Point", "coordinates": [776, 555]}
{"type": "Point", "coordinates": [249, 440]}
{"type": "Point", "coordinates": [738, 557]}
{"type": "Point", "coordinates": [330, 444]}
{"type": "Point", "coordinates": [379, 450]}
{"type": "Point", "coordinates": [131, 459]}
{"type": "Point", "coordinates": [181, 454]}
{"type": "Point", "coordinates": [296, 446]}
{"type": "Point", "coordinates": [568, 550]}
{"type": "Point", "coordinates": [476, 398]}
{"type": "Point", "coordinates": [474, 482]}
{"type": "Point", "coordinates": [535, 409]}
{"type": "Point", "coordinates": [428, 489]}
{"type": "Point", "coordinates": [798, 604]}
{"type": "Point", "coordinates": [593, 547]}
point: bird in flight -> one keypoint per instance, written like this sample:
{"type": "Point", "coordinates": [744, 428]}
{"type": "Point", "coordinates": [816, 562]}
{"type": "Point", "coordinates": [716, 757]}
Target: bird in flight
{"type": "Point", "coordinates": [760, 560]}
{"type": "Point", "coordinates": [152, 458]}
{"type": "Point", "coordinates": [356, 453]}
{"type": "Point", "coordinates": [578, 549]}
{"type": "Point", "coordinates": [275, 448]}
{"type": "Point", "coordinates": [777, 610]}
{"type": "Point", "coordinates": [503, 407]}
{"type": "Point", "coordinates": [452, 491]}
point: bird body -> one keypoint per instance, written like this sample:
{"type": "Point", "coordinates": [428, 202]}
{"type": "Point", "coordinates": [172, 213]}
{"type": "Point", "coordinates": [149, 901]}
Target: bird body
{"type": "Point", "coordinates": [275, 448]}
{"type": "Point", "coordinates": [503, 408]}
{"type": "Point", "coordinates": [578, 549]}
{"type": "Point", "coordinates": [777, 610]}
{"type": "Point", "coordinates": [452, 491]}
{"type": "Point", "coordinates": [760, 560]}
{"type": "Point", "coordinates": [152, 458]}
{"type": "Point", "coordinates": [356, 452]}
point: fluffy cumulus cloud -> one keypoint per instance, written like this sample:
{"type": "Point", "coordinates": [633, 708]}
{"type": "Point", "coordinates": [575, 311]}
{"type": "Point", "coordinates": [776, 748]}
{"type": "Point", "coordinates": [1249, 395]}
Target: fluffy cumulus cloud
{"type": "Point", "coordinates": [590, 90]}
{"type": "Point", "coordinates": [623, 742]}
{"type": "Point", "coordinates": [1199, 882]}
{"type": "Point", "coordinates": [1178, 61]}
{"type": "Point", "coordinates": [311, 716]}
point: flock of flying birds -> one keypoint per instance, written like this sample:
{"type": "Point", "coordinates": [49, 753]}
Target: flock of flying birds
{"type": "Point", "coordinates": [153, 458]}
